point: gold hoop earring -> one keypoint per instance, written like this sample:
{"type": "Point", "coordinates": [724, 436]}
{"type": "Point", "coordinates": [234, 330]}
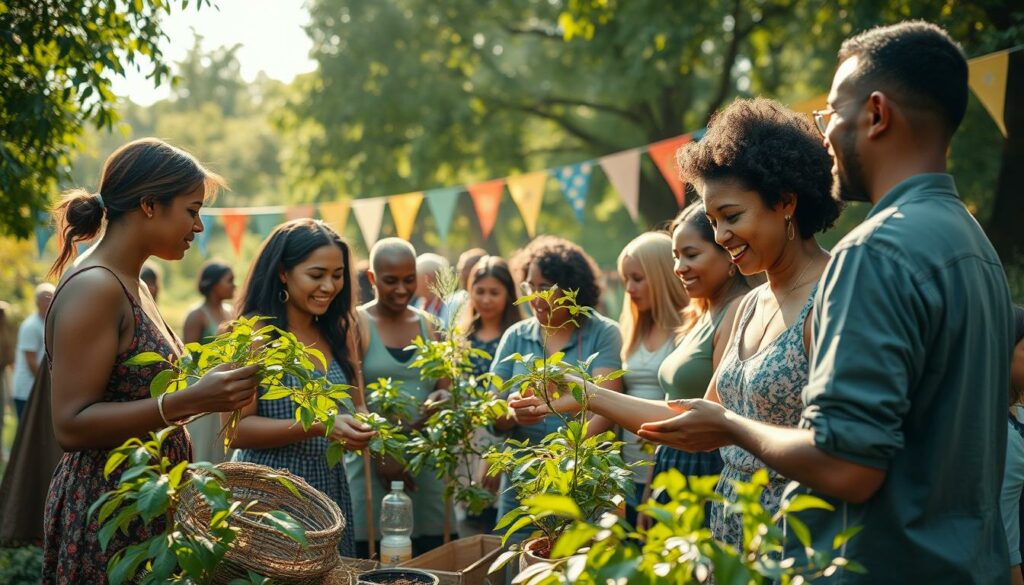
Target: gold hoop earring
{"type": "Point", "coordinates": [790, 230]}
{"type": "Point", "coordinates": [732, 271]}
{"type": "Point", "coordinates": [283, 296]}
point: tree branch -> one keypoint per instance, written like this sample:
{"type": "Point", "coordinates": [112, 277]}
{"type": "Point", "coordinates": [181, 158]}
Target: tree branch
{"type": "Point", "coordinates": [544, 32]}
{"type": "Point", "coordinates": [631, 116]}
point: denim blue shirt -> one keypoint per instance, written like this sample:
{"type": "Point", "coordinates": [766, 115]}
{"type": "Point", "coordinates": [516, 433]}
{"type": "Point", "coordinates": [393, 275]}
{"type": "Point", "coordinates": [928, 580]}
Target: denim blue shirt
{"type": "Point", "coordinates": [598, 334]}
{"type": "Point", "coordinates": [912, 338]}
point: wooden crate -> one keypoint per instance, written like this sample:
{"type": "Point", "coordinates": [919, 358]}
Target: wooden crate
{"type": "Point", "coordinates": [463, 562]}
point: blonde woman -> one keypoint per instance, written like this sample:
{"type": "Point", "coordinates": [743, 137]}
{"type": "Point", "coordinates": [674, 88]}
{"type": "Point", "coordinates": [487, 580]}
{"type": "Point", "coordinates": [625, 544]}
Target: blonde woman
{"type": "Point", "coordinates": [652, 311]}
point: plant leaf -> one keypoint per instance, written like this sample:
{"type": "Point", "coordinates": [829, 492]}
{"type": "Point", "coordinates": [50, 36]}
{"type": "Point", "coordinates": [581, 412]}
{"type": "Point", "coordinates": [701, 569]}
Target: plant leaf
{"type": "Point", "coordinates": [146, 358]}
{"type": "Point", "coordinates": [286, 525]}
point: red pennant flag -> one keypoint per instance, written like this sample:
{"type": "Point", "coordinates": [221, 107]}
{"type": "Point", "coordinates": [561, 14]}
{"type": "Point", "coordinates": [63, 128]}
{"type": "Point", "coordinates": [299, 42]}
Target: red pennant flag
{"type": "Point", "coordinates": [486, 201]}
{"type": "Point", "coordinates": [300, 211]}
{"type": "Point", "coordinates": [234, 227]}
{"type": "Point", "coordinates": [664, 156]}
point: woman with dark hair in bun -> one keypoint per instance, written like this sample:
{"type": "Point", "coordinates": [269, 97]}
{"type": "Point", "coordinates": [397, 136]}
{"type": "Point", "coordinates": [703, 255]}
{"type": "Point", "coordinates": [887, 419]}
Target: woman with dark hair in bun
{"type": "Point", "coordinates": [102, 313]}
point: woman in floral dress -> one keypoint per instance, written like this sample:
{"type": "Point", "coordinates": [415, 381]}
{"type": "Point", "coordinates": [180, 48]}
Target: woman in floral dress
{"type": "Point", "coordinates": [101, 315]}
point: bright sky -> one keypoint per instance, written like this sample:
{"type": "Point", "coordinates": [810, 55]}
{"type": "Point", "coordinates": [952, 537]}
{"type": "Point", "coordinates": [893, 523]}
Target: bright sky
{"type": "Point", "coordinates": [270, 31]}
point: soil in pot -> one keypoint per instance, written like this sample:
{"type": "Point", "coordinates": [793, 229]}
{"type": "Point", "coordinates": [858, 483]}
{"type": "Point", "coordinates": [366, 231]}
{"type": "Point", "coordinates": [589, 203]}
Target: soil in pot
{"type": "Point", "coordinates": [397, 577]}
{"type": "Point", "coordinates": [534, 551]}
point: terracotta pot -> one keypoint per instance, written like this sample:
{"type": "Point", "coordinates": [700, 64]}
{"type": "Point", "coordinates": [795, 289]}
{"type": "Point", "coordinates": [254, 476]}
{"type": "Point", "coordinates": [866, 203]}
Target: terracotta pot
{"type": "Point", "coordinates": [528, 558]}
{"type": "Point", "coordinates": [395, 575]}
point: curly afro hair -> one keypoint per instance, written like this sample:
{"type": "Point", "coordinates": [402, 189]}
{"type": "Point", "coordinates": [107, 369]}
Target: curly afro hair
{"type": "Point", "coordinates": [563, 263]}
{"type": "Point", "coordinates": [770, 150]}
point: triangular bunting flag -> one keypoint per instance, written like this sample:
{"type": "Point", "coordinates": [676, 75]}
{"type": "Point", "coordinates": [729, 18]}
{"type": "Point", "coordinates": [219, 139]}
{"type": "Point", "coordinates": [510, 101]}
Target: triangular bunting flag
{"type": "Point", "coordinates": [623, 171]}
{"type": "Point", "coordinates": [203, 238]}
{"type": "Point", "coordinates": [486, 201]}
{"type": "Point", "coordinates": [403, 210]}
{"type": "Point", "coordinates": [808, 106]}
{"type": "Point", "coordinates": [43, 232]}
{"type": "Point", "coordinates": [264, 223]}
{"type": "Point", "coordinates": [234, 226]}
{"type": "Point", "coordinates": [335, 214]}
{"type": "Point", "coordinates": [369, 213]}
{"type": "Point", "coordinates": [575, 182]}
{"type": "Point", "coordinates": [664, 156]}
{"type": "Point", "coordinates": [300, 211]}
{"type": "Point", "coordinates": [987, 78]}
{"type": "Point", "coordinates": [527, 192]}
{"type": "Point", "coordinates": [442, 203]}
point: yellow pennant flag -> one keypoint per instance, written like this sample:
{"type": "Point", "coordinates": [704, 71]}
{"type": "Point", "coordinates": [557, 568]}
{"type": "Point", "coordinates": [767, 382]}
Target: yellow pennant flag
{"type": "Point", "coordinates": [987, 78]}
{"type": "Point", "coordinates": [403, 210]}
{"type": "Point", "coordinates": [335, 214]}
{"type": "Point", "coordinates": [527, 192]}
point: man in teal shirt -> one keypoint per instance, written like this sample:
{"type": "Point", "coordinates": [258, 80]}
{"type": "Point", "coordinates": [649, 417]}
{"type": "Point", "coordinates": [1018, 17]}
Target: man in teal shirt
{"type": "Point", "coordinates": [904, 423]}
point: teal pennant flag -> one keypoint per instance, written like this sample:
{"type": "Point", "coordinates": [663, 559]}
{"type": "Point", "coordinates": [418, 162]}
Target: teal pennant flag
{"type": "Point", "coordinates": [442, 204]}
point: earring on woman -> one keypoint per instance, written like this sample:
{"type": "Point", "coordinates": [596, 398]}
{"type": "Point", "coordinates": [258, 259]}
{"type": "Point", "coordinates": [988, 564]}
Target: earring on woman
{"type": "Point", "coordinates": [732, 270]}
{"type": "Point", "coordinates": [283, 296]}
{"type": "Point", "coordinates": [790, 230]}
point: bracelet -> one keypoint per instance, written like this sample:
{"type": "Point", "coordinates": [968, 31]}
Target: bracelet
{"type": "Point", "coordinates": [160, 408]}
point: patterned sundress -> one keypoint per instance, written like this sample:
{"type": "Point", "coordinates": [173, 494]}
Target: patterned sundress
{"type": "Point", "coordinates": [71, 550]}
{"type": "Point", "coordinates": [765, 387]}
{"type": "Point", "coordinates": [307, 458]}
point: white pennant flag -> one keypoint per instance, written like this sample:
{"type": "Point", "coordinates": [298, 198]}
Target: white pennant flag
{"type": "Point", "coordinates": [623, 171]}
{"type": "Point", "coordinates": [369, 215]}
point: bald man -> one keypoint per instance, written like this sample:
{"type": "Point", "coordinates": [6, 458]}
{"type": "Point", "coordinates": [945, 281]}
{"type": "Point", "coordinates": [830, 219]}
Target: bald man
{"type": "Point", "coordinates": [30, 348]}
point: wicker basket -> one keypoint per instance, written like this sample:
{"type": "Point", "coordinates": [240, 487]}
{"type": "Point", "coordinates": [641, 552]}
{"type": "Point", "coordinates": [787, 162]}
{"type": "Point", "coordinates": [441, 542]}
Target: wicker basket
{"type": "Point", "coordinates": [260, 548]}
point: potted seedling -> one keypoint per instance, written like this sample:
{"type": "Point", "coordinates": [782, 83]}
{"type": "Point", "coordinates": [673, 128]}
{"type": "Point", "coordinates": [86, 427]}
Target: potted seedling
{"type": "Point", "coordinates": [448, 441]}
{"type": "Point", "coordinates": [570, 473]}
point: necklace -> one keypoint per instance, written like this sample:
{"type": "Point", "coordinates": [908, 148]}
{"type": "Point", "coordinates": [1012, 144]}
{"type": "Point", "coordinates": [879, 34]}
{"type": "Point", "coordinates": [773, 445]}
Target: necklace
{"type": "Point", "coordinates": [781, 301]}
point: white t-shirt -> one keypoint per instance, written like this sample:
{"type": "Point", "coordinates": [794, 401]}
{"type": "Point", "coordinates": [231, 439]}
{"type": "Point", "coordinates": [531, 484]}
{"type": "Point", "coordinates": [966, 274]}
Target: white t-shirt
{"type": "Point", "coordinates": [30, 338]}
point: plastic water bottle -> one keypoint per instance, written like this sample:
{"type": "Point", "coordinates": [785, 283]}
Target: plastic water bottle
{"type": "Point", "coordinates": [395, 526]}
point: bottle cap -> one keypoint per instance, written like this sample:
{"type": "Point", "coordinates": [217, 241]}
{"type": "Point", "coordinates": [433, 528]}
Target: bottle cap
{"type": "Point", "coordinates": [398, 485]}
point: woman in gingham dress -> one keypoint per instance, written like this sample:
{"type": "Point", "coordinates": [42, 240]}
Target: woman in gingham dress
{"type": "Point", "coordinates": [301, 279]}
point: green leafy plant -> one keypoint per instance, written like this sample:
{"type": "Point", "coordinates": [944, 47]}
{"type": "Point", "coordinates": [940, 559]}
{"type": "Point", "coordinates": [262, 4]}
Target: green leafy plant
{"type": "Point", "coordinates": [21, 566]}
{"type": "Point", "coordinates": [678, 548]}
{"type": "Point", "coordinates": [278, 353]}
{"type": "Point", "coordinates": [150, 489]}
{"type": "Point", "coordinates": [447, 442]}
{"type": "Point", "coordinates": [583, 474]}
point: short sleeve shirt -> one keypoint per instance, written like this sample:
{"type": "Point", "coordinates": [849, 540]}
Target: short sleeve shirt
{"type": "Point", "coordinates": [597, 335]}
{"type": "Point", "coordinates": [912, 338]}
{"type": "Point", "coordinates": [30, 338]}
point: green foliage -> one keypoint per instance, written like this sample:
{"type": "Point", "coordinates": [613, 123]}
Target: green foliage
{"type": "Point", "coordinates": [445, 441]}
{"type": "Point", "coordinates": [249, 341]}
{"type": "Point", "coordinates": [150, 488]}
{"type": "Point", "coordinates": [21, 566]}
{"type": "Point", "coordinates": [57, 60]}
{"type": "Point", "coordinates": [570, 475]}
{"type": "Point", "coordinates": [678, 548]}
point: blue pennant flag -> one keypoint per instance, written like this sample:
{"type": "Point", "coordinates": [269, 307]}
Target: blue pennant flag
{"type": "Point", "coordinates": [575, 182]}
{"type": "Point", "coordinates": [442, 203]}
{"type": "Point", "coordinates": [43, 230]}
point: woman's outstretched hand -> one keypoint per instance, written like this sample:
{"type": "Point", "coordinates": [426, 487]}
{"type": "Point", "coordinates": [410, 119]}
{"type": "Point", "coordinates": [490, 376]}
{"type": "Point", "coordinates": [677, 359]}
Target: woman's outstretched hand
{"type": "Point", "coordinates": [702, 426]}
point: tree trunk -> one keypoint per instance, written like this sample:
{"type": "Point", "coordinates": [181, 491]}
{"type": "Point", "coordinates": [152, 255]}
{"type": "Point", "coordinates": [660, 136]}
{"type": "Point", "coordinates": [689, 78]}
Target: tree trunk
{"type": "Point", "coordinates": [1004, 227]}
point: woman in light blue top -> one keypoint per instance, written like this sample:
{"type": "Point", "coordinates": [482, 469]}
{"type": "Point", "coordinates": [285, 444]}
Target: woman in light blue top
{"type": "Point", "coordinates": [652, 311]}
{"type": "Point", "coordinates": [549, 261]}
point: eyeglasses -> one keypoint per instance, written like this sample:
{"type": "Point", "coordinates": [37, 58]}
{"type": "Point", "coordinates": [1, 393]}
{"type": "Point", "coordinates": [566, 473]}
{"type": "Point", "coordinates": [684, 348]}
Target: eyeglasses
{"type": "Point", "coordinates": [527, 288]}
{"type": "Point", "coordinates": [822, 119]}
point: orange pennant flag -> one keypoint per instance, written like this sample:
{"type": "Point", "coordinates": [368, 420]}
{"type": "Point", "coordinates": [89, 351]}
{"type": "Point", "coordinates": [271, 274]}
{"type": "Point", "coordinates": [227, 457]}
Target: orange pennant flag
{"type": "Point", "coordinates": [486, 201]}
{"type": "Point", "coordinates": [403, 210]}
{"type": "Point", "coordinates": [234, 227]}
{"type": "Point", "coordinates": [335, 214]}
{"type": "Point", "coordinates": [527, 192]}
{"type": "Point", "coordinates": [664, 156]}
{"type": "Point", "coordinates": [299, 211]}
